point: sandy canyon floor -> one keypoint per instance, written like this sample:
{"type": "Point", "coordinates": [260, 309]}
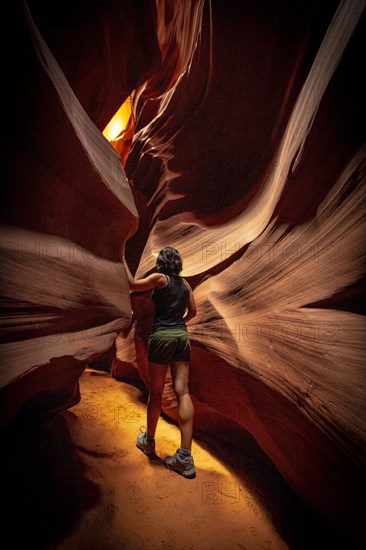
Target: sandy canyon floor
{"type": "Point", "coordinates": [78, 481]}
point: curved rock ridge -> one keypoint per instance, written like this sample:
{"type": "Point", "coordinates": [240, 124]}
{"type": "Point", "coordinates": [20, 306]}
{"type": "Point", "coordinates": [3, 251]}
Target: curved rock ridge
{"type": "Point", "coordinates": [67, 211]}
{"type": "Point", "coordinates": [184, 228]}
{"type": "Point", "coordinates": [53, 288]}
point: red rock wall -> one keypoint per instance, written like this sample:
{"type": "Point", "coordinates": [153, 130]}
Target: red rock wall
{"type": "Point", "coordinates": [248, 156]}
{"type": "Point", "coordinates": [251, 161]}
{"type": "Point", "coordinates": [67, 208]}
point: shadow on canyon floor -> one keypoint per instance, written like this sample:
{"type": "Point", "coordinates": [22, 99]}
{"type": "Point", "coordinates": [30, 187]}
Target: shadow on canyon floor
{"type": "Point", "coordinates": [44, 486]}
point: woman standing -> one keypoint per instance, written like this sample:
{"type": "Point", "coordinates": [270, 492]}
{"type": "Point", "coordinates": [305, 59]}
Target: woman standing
{"type": "Point", "coordinates": [169, 345]}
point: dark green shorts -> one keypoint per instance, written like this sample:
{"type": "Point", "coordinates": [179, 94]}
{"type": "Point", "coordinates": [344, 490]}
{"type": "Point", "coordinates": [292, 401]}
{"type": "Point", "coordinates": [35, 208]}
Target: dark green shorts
{"type": "Point", "coordinates": [171, 344]}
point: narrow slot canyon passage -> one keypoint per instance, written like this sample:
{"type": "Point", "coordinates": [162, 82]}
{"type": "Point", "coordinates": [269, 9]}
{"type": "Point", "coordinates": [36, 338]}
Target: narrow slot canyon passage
{"type": "Point", "coordinates": [231, 133]}
{"type": "Point", "coordinates": [79, 481]}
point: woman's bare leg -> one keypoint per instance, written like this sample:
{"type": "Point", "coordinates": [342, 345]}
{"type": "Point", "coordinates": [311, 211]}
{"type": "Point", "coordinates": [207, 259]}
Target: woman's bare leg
{"type": "Point", "coordinates": [156, 374]}
{"type": "Point", "coordinates": [180, 376]}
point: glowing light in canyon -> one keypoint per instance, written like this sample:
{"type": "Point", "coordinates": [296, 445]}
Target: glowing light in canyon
{"type": "Point", "coordinates": [117, 126]}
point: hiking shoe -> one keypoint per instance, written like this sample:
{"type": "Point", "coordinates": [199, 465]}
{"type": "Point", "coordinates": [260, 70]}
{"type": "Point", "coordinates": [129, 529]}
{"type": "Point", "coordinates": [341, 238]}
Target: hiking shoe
{"type": "Point", "coordinates": [146, 445]}
{"type": "Point", "coordinates": [184, 466]}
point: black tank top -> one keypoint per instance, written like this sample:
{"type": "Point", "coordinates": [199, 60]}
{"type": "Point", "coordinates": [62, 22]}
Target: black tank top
{"type": "Point", "coordinates": [170, 304]}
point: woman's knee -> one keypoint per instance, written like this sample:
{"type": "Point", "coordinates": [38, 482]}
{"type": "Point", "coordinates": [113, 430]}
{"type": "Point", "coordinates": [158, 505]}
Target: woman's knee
{"type": "Point", "coordinates": [180, 375]}
{"type": "Point", "coordinates": [181, 388]}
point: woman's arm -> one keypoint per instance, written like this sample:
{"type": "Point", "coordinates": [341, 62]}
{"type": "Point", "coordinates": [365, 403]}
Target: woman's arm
{"type": "Point", "coordinates": [147, 283]}
{"type": "Point", "coordinates": [191, 307]}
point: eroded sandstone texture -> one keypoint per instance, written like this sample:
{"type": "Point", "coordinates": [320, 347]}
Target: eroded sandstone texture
{"type": "Point", "coordinates": [67, 207]}
{"type": "Point", "coordinates": [248, 155]}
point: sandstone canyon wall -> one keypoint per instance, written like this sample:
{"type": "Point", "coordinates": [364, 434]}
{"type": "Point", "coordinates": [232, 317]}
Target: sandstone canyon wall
{"type": "Point", "coordinates": [248, 155]}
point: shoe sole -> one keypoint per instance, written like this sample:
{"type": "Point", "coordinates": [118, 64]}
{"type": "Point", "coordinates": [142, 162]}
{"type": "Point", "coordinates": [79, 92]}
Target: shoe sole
{"type": "Point", "coordinates": [188, 474]}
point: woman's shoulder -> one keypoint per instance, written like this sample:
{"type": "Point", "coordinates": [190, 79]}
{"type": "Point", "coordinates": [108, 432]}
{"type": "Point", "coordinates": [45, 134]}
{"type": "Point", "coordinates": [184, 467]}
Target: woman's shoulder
{"type": "Point", "coordinates": [161, 280]}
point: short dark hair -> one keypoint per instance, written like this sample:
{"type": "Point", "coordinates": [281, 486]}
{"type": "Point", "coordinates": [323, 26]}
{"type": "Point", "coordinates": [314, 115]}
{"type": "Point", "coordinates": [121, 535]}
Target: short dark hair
{"type": "Point", "coordinates": [169, 261]}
